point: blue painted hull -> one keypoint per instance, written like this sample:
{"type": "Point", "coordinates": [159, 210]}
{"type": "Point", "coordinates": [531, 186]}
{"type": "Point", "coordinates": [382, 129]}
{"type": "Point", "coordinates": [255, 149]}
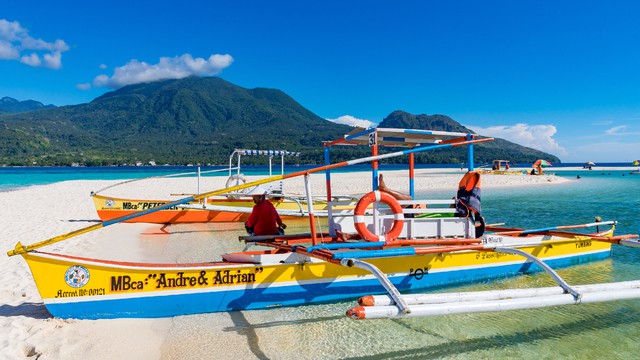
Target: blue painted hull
{"type": "Point", "coordinates": [297, 293]}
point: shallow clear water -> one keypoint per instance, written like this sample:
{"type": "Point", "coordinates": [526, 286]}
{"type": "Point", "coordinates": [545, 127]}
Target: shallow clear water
{"type": "Point", "coordinates": [590, 331]}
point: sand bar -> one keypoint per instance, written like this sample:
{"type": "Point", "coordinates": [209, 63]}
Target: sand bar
{"type": "Point", "coordinates": [37, 213]}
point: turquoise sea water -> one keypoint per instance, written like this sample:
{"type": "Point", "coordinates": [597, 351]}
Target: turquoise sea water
{"type": "Point", "coordinates": [12, 177]}
{"type": "Point", "coordinates": [608, 330]}
{"type": "Point", "coordinates": [591, 331]}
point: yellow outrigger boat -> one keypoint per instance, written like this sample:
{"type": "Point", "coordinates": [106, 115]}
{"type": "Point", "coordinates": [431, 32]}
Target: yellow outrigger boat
{"type": "Point", "coordinates": [397, 249]}
{"type": "Point", "coordinates": [233, 206]}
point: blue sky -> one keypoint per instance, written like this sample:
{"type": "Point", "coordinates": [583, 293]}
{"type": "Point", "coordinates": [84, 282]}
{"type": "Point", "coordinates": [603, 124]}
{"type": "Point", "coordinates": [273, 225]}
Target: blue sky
{"type": "Point", "coordinates": [559, 76]}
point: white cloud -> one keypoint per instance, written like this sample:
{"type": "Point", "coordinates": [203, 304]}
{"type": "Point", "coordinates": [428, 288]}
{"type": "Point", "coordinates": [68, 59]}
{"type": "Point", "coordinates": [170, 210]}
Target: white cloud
{"type": "Point", "coordinates": [621, 130]}
{"type": "Point", "coordinates": [32, 59]}
{"type": "Point", "coordinates": [7, 50]}
{"type": "Point", "coordinates": [616, 130]}
{"type": "Point", "coordinates": [603, 122]}
{"type": "Point", "coordinates": [16, 44]}
{"type": "Point", "coordinates": [179, 67]}
{"type": "Point", "coordinates": [103, 66]}
{"type": "Point", "coordinates": [53, 60]}
{"type": "Point", "coordinates": [83, 86]}
{"type": "Point", "coordinates": [539, 137]}
{"type": "Point", "coordinates": [352, 121]}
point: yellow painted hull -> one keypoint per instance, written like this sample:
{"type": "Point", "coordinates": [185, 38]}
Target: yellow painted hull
{"type": "Point", "coordinates": [74, 287]}
{"type": "Point", "coordinates": [109, 208]}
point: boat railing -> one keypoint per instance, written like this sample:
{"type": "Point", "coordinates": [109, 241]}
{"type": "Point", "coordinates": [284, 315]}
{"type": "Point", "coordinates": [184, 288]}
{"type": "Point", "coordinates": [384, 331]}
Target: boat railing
{"type": "Point", "coordinates": [422, 219]}
{"type": "Point", "coordinates": [197, 173]}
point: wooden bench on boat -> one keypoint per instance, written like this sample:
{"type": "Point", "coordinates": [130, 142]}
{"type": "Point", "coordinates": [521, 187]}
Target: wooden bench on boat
{"type": "Point", "coordinates": [430, 219]}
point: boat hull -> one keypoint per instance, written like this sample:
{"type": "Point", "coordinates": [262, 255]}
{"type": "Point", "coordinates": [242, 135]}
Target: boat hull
{"type": "Point", "coordinates": [82, 288]}
{"type": "Point", "coordinates": [109, 208]}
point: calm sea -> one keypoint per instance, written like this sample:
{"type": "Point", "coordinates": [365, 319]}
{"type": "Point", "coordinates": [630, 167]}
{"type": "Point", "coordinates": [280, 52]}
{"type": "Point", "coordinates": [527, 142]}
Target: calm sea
{"type": "Point", "coordinates": [13, 177]}
{"type": "Point", "coordinates": [591, 331]}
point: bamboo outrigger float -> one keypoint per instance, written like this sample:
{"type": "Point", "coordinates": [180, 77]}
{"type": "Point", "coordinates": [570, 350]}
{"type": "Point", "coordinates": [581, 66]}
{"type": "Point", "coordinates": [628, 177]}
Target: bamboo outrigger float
{"type": "Point", "coordinates": [400, 249]}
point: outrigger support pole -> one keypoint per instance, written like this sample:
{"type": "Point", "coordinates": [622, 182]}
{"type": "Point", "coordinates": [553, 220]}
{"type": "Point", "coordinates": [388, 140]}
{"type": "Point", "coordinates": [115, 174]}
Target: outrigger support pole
{"type": "Point", "coordinates": [567, 288]}
{"type": "Point", "coordinates": [312, 220]}
{"type": "Point", "coordinates": [393, 292]}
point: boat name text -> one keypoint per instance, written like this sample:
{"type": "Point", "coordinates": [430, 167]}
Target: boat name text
{"type": "Point", "coordinates": [582, 244]}
{"type": "Point", "coordinates": [489, 255]}
{"type": "Point", "coordinates": [127, 205]}
{"type": "Point", "coordinates": [486, 239]}
{"type": "Point", "coordinates": [81, 292]}
{"type": "Point", "coordinates": [226, 277]}
{"type": "Point", "coordinates": [180, 280]}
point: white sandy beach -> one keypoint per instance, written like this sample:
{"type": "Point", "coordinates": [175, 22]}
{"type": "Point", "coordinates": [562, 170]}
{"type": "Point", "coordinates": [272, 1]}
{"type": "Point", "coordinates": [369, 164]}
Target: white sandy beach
{"type": "Point", "coordinates": [37, 213]}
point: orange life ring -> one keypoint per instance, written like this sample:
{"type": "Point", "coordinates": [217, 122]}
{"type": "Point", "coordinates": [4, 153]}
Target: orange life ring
{"type": "Point", "coordinates": [362, 205]}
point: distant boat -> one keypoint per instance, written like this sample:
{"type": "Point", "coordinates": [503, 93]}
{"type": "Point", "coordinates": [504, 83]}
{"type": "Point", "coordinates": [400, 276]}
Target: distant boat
{"type": "Point", "coordinates": [501, 167]}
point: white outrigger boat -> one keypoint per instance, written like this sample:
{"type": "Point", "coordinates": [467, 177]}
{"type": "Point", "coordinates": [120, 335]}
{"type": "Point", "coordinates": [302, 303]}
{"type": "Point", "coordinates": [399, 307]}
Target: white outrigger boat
{"type": "Point", "coordinates": [371, 250]}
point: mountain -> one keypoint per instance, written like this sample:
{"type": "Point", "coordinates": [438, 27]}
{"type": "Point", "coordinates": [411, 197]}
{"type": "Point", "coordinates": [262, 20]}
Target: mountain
{"type": "Point", "coordinates": [483, 152]}
{"type": "Point", "coordinates": [11, 106]}
{"type": "Point", "coordinates": [193, 120]}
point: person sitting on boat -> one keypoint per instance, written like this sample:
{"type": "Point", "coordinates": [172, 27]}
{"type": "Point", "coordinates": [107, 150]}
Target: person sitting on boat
{"type": "Point", "coordinates": [396, 194]}
{"type": "Point", "coordinates": [264, 219]}
{"type": "Point", "coordinates": [399, 196]}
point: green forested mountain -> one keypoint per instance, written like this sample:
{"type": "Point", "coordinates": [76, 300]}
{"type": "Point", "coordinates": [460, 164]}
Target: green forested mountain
{"type": "Point", "coordinates": [195, 120]}
{"type": "Point", "coordinates": [10, 105]}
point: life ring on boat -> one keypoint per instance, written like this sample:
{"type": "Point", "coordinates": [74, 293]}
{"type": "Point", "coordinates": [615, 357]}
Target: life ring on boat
{"type": "Point", "coordinates": [386, 198]}
{"type": "Point", "coordinates": [235, 180]}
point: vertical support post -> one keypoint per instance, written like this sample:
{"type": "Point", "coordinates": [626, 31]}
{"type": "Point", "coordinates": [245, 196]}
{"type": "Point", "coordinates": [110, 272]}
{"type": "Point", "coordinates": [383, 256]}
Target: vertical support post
{"type": "Point", "coordinates": [327, 173]}
{"type": "Point", "coordinates": [198, 191]}
{"type": "Point", "coordinates": [470, 152]}
{"type": "Point", "coordinates": [412, 175]}
{"type": "Point", "coordinates": [282, 172]}
{"type": "Point", "coordinates": [373, 143]}
{"type": "Point", "coordinates": [327, 176]}
{"type": "Point", "coordinates": [238, 170]}
{"type": "Point", "coordinates": [312, 218]}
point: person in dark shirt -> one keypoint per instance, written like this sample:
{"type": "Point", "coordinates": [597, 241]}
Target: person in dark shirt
{"type": "Point", "coordinates": [264, 219]}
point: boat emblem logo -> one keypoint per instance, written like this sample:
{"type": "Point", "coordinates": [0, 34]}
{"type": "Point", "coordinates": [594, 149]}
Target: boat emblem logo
{"type": "Point", "coordinates": [110, 203]}
{"type": "Point", "coordinates": [77, 276]}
